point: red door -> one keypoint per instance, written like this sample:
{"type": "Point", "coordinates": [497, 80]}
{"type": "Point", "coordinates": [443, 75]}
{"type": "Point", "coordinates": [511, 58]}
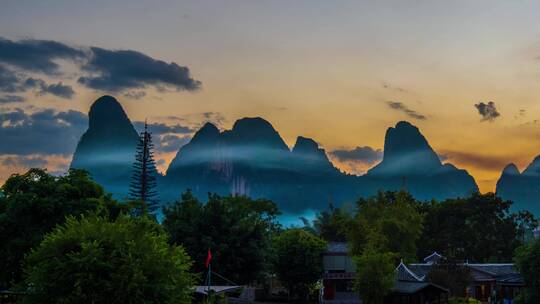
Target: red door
{"type": "Point", "coordinates": [329, 289]}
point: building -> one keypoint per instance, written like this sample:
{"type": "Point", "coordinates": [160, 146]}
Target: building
{"type": "Point", "coordinates": [411, 285]}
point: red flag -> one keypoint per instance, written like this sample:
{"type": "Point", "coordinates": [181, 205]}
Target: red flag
{"type": "Point", "coordinates": [208, 258]}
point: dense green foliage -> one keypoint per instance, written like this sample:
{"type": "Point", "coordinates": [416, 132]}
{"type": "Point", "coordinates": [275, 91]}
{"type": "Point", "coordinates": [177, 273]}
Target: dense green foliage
{"type": "Point", "coordinates": [479, 228]}
{"type": "Point", "coordinates": [333, 224]}
{"type": "Point", "coordinates": [375, 275]}
{"type": "Point", "coordinates": [298, 260]}
{"type": "Point", "coordinates": [33, 203]}
{"type": "Point", "coordinates": [387, 222]}
{"type": "Point", "coordinates": [528, 262]}
{"type": "Point", "coordinates": [452, 275]}
{"type": "Point", "coordinates": [236, 229]}
{"type": "Point", "coordinates": [94, 260]}
{"type": "Point", "coordinates": [385, 228]}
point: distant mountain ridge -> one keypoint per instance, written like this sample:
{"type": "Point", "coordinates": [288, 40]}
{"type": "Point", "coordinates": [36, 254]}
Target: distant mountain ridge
{"type": "Point", "coordinates": [521, 188]}
{"type": "Point", "coordinates": [252, 159]}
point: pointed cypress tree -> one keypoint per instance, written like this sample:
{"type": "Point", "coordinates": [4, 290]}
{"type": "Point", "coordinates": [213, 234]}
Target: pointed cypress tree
{"type": "Point", "coordinates": [143, 179]}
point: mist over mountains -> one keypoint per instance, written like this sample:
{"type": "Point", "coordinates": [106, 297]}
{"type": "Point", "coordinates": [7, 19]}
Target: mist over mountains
{"type": "Point", "coordinates": [252, 159]}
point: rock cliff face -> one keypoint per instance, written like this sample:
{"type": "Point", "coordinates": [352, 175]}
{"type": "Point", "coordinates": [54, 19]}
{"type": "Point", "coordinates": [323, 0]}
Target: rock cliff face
{"type": "Point", "coordinates": [521, 188]}
{"type": "Point", "coordinates": [410, 163]}
{"type": "Point", "coordinates": [107, 148]}
{"type": "Point", "coordinates": [406, 152]}
{"type": "Point", "coordinates": [252, 159]}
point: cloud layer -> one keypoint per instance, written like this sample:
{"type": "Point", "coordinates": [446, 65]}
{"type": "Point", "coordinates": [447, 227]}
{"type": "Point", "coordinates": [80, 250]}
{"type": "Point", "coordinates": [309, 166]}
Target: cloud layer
{"type": "Point", "coordinates": [24, 63]}
{"type": "Point", "coordinates": [42, 132]}
{"type": "Point", "coordinates": [365, 154]}
{"type": "Point", "coordinates": [399, 106]}
{"type": "Point", "coordinates": [118, 70]}
{"type": "Point", "coordinates": [37, 55]}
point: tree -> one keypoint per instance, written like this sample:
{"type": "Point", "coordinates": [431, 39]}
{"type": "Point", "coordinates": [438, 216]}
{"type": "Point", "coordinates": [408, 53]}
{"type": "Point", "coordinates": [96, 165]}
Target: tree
{"type": "Point", "coordinates": [387, 222]}
{"type": "Point", "coordinates": [451, 274]}
{"type": "Point", "coordinates": [525, 224]}
{"type": "Point", "coordinates": [375, 275]}
{"type": "Point", "coordinates": [33, 203]}
{"type": "Point", "coordinates": [298, 260]}
{"type": "Point", "coordinates": [94, 260]}
{"type": "Point", "coordinates": [385, 228]}
{"type": "Point", "coordinates": [143, 179]}
{"type": "Point", "coordinates": [237, 229]}
{"type": "Point", "coordinates": [479, 228]}
{"type": "Point", "coordinates": [333, 224]}
{"type": "Point", "coordinates": [527, 261]}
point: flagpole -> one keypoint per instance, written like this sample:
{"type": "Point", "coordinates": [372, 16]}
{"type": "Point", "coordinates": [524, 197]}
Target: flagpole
{"type": "Point", "coordinates": [208, 282]}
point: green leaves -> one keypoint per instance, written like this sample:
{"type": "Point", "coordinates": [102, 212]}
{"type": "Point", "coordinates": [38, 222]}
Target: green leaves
{"type": "Point", "coordinates": [479, 228]}
{"type": "Point", "coordinates": [527, 260]}
{"type": "Point", "coordinates": [33, 203]}
{"type": "Point", "coordinates": [93, 260]}
{"type": "Point", "coordinates": [375, 275]}
{"type": "Point", "coordinates": [237, 229]}
{"type": "Point", "coordinates": [298, 259]}
{"type": "Point", "coordinates": [386, 228]}
{"type": "Point", "coordinates": [388, 222]}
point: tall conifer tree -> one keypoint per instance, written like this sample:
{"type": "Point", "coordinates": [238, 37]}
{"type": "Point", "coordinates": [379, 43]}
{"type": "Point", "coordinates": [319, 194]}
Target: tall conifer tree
{"type": "Point", "coordinates": [143, 179]}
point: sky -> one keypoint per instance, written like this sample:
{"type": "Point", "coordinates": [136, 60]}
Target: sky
{"type": "Point", "coordinates": [467, 73]}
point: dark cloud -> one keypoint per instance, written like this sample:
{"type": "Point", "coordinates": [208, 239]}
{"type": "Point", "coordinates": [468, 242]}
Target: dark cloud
{"type": "Point", "coordinates": [43, 132]}
{"type": "Point", "coordinates": [100, 69]}
{"type": "Point", "coordinates": [58, 89]}
{"type": "Point", "coordinates": [214, 117]}
{"type": "Point", "coordinates": [25, 161]}
{"type": "Point", "coordinates": [488, 162]}
{"type": "Point", "coordinates": [37, 55]}
{"type": "Point", "coordinates": [11, 98]}
{"type": "Point", "coordinates": [171, 143]}
{"type": "Point", "coordinates": [11, 82]}
{"type": "Point", "coordinates": [365, 154]}
{"type": "Point", "coordinates": [167, 138]}
{"type": "Point", "coordinates": [488, 111]}
{"type": "Point", "coordinates": [117, 70]}
{"type": "Point", "coordinates": [399, 106]}
{"type": "Point", "coordinates": [135, 94]}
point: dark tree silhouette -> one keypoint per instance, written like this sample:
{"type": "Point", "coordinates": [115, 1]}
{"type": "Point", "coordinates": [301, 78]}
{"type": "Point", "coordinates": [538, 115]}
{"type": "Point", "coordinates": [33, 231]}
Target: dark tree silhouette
{"type": "Point", "coordinates": [143, 179]}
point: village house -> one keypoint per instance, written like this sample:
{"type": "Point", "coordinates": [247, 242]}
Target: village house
{"type": "Point", "coordinates": [411, 285]}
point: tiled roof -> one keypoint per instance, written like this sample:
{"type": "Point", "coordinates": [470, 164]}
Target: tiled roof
{"type": "Point", "coordinates": [337, 247]}
{"type": "Point", "coordinates": [413, 287]}
{"type": "Point", "coordinates": [421, 270]}
{"type": "Point", "coordinates": [433, 258]}
{"type": "Point", "coordinates": [479, 272]}
{"type": "Point", "coordinates": [495, 269]}
{"type": "Point", "coordinates": [403, 273]}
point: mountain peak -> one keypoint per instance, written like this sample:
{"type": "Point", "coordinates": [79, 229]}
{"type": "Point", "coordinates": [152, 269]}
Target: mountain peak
{"type": "Point", "coordinates": [107, 113]}
{"type": "Point", "coordinates": [406, 151]}
{"type": "Point", "coordinates": [405, 124]}
{"type": "Point", "coordinates": [252, 122]}
{"type": "Point", "coordinates": [305, 145]}
{"type": "Point", "coordinates": [207, 132]}
{"type": "Point", "coordinates": [511, 169]}
{"type": "Point", "coordinates": [255, 130]}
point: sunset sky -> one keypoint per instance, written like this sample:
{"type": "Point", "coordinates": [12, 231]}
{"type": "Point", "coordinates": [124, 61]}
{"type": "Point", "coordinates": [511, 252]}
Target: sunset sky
{"type": "Point", "coordinates": [340, 72]}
